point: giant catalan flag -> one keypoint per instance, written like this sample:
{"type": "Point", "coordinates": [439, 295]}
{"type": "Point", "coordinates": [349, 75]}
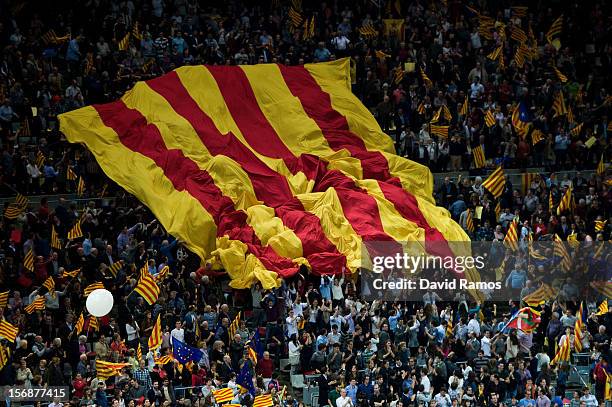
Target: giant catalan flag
{"type": "Point", "coordinates": [261, 169]}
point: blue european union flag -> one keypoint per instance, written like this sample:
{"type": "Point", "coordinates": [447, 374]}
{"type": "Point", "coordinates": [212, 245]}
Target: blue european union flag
{"type": "Point", "coordinates": [184, 353]}
{"type": "Point", "coordinates": [524, 112]}
{"type": "Point", "coordinates": [255, 343]}
{"type": "Point", "coordinates": [245, 378]}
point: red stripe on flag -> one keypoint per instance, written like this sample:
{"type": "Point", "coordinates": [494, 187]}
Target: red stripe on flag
{"type": "Point", "coordinates": [270, 187]}
{"type": "Point", "coordinates": [255, 127]}
{"type": "Point", "coordinates": [139, 136]}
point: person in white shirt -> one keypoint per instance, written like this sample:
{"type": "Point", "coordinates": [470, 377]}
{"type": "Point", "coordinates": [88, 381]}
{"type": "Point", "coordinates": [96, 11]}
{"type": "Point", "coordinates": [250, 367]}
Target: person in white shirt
{"type": "Point", "coordinates": [343, 400]}
{"type": "Point", "coordinates": [425, 381]}
{"type": "Point", "coordinates": [178, 332]}
{"type": "Point", "coordinates": [485, 344]}
{"type": "Point", "coordinates": [340, 42]}
{"type": "Point", "coordinates": [588, 398]}
{"type": "Point", "coordinates": [292, 324]}
{"type": "Point", "coordinates": [474, 326]}
{"type": "Point", "coordinates": [337, 294]}
{"type": "Point", "coordinates": [442, 398]}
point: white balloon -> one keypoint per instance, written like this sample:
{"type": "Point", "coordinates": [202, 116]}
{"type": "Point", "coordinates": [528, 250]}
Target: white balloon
{"type": "Point", "coordinates": [99, 302]}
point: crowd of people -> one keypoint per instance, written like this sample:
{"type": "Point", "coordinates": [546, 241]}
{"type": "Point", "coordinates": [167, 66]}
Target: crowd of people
{"type": "Point", "coordinates": [58, 57]}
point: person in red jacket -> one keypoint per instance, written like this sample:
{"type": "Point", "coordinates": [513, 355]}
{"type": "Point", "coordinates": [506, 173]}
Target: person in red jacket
{"type": "Point", "coordinates": [198, 376]}
{"type": "Point", "coordinates": [265, 366]}
{"type": "Point", "coordinates": [600, 376]}
{"type": "Point", "coordinates": [79, 385]}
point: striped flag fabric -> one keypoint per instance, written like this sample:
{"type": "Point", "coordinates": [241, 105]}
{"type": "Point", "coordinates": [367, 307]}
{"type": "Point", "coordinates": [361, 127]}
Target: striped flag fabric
{"type": "Point", "coordinates": [497, 210]}
{"type": "Point", "coordinates": [449, 326]}
{"type": "Point", "coordinates": [93, 324]}
{"type": "Point", "coordinates": [50, 37]}
{"type": "Point", "coordinates": [496, 182]}
{"type": "Point", "coordinates": [518, 34]}
{"type": "Point", "coordinates": [527, 178]}
{"type": "Point", "coordinates": [5, 353]}
{"type": "Point", "coordinates": [479, 157]}
{"type": "Point", "coordinates": [603, 308]}
{"type": "Point", "coordinates": [76, 231]}
{"type": "Point", "coordinates": [263, 400]}
{"type": "Point", "coordinates": [55, 241]}
{"type": "Point", "coordinates": [421, 109]}
{"type": "Point", "coordinates": [136, 33]}
{"type": "Point", "coordinates": [539, 296]}
{"type": "Point", "coordinates": [24, 130]}
{"type": "Point", "coordinates": [561, 251]}
{"type": "Point", "coordinates": [464, 107]}
{"type": "Point", "coordinates": [70, 174]}
{"type": "Point", "coordinates": [368, 31]}
{"type": "Point", "coordinates": [563, 354]}
{"type": "Point", "coordinates": [601, 166]}
{"type": "Point", "coordinates": [555, 29]}
{"type": "Point", "coordinates": [469, 221]}
{"type": "Point", "coordinates": [17, 207]}
{"type": "Point", "coordinates": [28, 260]}
{"type": "Point", "coordinates": [511, 238]}
{"type": "Point", "coordinates": [212, 142]}
{"type": "Point", "coordinates": [162, 360]}
{"type": "Point", "coordinates": [139, 352]}
{"type": "Point", "coordinates": [8, 330]}
{"type": "Point", "coordinates": [49, 284]}
{"type": "Point", "coordinates": [92, 287]}
{"type": "Point", "coordinates": [398, 75]}
{"type": "Point", "coordinates": [446, 113]}
{"type": "Point", "coordinates": [37, 305]}
{"type": "Point", "coordinates": [558, 107]}
{"type": "Point", "coordinates": [570, 115]}
{"type": "Point", "coordinates": [70, 274]}
{"type": "Point", "coordinates": [440, 131]}
{"type": "Point", "coordinates": [382, 55]}
{"type": "Point", "coordinates": [115, 267]}
{"type": "Point", "coordinates": [124, 43]}
{"type": "Point", "coordinates": [579, 328]}
{"type": "Point", "coordinates": [4, 299]}
{"type": "Point", "coordinates": [40, 159]}
{"type": "Point", "coordinates": [562, 78]}
{"type": "Point", "coordinates": [495, 53]}
{"type": "Point", "coordinates": [105, 369]}
{"type": "Point", "coordinates": [489, 119]}
{"type": "Point", "coordinates": [603, 287]}
{"type": "Point", "coordinates": [436, 116]}
{"type": "Point", "coordinates": [78, 327]}
{"type": "Point", "coordinates": [566, 203]}
{"type": "Point", "coordinates": [600, 225]}
{"type": "Point", "coordinates": [81, 186]}
{"type": "Point", "coordinates": [163, 273]}
{"type": "Point", "coordinates": [233, 327]}
{"type": "Point", "coordinates": [295, 18]}
{"type": "Point", "coordinates": [536, 136]}
{"type": "Point", "coordinates": [147, 287]}
{"type": "Point", "coordinates": [522, 53]}
{"type": "Point", "coordinates": [519, 11]}
{"type": "Point", "coordinates": [223, 395]}
{"type": "Point", "coordinates": [575, 132]}
{"type": "Point", "coordinates": [426, 81]}
{"type": "Point", "coordinates": [551, 202]}
{"type": "Point", "coordinates": [155, 340]}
